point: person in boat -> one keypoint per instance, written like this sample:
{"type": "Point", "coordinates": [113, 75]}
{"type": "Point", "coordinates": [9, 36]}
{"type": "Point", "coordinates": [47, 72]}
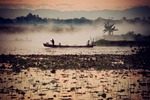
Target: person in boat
{"type": "Point", "coordinates": [53, 42]}
{"type": "Point", "coordinates": [59, 44]}
{"type": "Point", "coordinates": [88, 42]}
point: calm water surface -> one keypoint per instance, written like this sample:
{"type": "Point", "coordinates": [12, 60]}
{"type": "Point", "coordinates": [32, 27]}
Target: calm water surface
{"type": "Point", "coordinates": [34, 47]}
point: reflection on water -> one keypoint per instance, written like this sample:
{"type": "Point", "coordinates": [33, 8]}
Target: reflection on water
{"type": "Point", "coordinates": [75, 84]}
{"type": "Point", "coordinates": [90, 51]}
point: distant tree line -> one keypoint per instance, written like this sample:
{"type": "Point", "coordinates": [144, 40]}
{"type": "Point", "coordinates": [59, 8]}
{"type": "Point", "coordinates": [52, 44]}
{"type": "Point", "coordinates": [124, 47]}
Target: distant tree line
{"type": "Point", "coordinates": [35, 19]}
{"type": "Point", "coordinates": [136, 37]}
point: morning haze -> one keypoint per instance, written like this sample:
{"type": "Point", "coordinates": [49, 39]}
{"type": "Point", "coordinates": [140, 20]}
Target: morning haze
{"type": "Point", "coordinates": [75, 49]}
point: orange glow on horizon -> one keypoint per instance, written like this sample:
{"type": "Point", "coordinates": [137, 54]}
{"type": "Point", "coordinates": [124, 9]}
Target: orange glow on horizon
{"type": "Point", "coordinates": [68, 5]}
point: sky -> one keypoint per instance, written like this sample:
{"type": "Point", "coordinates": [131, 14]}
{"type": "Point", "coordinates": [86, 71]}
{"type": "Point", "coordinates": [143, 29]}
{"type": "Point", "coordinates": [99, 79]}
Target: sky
{"type": "Point", "coordinates": [73, 5]}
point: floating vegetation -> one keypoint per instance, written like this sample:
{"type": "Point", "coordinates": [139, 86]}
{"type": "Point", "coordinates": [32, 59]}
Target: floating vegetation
{"type": "Point", "coordinates": [73, 77]}
{"type": "Point", "coordinates": [75, 84]}
{"type": "Point", "coordinates": [54, 62]}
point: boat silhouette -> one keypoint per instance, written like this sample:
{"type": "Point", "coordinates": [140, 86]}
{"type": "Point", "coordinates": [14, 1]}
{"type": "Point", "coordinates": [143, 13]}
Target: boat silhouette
{"type": "Point", "coordinates": [68, 46]}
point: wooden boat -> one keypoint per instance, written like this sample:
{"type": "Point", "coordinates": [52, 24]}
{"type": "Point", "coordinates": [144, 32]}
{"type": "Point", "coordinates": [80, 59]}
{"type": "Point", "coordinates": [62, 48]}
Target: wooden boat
{"type": "Point", "coordinates": [67, 46]}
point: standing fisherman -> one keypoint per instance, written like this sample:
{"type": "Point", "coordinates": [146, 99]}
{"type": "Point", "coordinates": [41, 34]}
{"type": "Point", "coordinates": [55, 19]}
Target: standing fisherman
{"type": "Point", "coordinates": [53, 42]}
{"type": "Point", "coordinates": [88, 42]}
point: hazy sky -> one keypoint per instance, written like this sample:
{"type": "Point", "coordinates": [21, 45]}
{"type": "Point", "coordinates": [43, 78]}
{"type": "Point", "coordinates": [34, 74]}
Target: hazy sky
{"type": "Point", "coordinates": [69, 5]}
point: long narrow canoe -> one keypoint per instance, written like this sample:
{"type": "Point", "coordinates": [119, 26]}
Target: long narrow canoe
{"type": "Point", "coordinates": [67, 46]}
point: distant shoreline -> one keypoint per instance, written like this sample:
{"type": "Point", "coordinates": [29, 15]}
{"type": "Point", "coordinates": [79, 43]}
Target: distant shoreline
{"type": "Point", "coordinates": [121, 43]}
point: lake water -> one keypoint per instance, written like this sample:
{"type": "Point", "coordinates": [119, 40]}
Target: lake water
{"type": "Point", "coordinates": [36, 47]}
{"type": "Point", "coordinates": [32, 43]}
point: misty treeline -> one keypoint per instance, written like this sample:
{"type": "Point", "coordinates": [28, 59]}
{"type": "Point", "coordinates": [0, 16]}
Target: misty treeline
{"type": "Point", "coordinates": [34, 29]}
{"type": "Point", "coordinates": [35, 19]}
{"type": "Point", "coordinates": [34, 23]}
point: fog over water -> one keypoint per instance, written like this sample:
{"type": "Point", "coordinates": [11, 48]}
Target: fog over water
{"type": "Point", "coordinates": [77, 35]}
{"type": "Point", "coordinates": [31, 39]}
